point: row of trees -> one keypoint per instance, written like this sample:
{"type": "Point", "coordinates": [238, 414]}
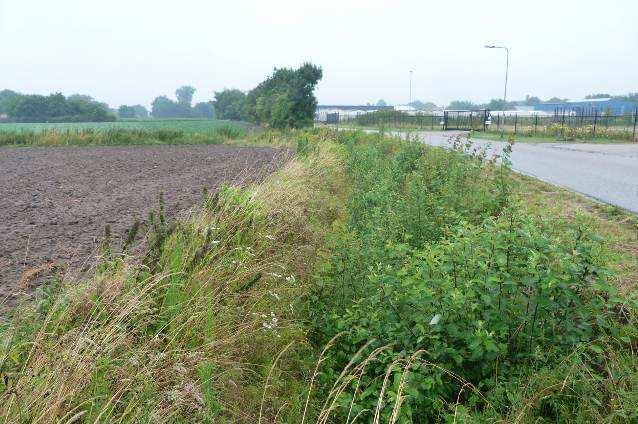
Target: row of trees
{"type": "Point", "coordinates": [52, 108]}
{"type": "Point", "coordinates": [163, 107]}
{"type": "Point", "coordinates": [135, 111]}
{"type": "Point", "coordinates": [499, 104]}
{"type": "Point", "coordinates": [629, 97]}
{"type": "Point", "coordinates": [283, 100]}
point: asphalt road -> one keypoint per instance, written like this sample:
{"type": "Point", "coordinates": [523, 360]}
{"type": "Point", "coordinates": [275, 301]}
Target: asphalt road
{"type": "Point", "coordinates": [605, 172]}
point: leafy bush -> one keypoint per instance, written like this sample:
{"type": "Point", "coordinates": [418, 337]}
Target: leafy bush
{"type": "Point", "coordinates": [285, 99]}
{"type": "Point", "coordinates": [445, 290]}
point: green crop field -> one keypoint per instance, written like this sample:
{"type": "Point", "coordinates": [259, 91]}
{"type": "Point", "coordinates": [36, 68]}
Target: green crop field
{"type": "Point", "coordinates": [185, 125]}
{"type": "Point", "coordinates": [133, 132]}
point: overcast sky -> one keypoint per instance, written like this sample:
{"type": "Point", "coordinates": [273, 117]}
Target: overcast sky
{"type": "Point", "coordinates": [130, 51]}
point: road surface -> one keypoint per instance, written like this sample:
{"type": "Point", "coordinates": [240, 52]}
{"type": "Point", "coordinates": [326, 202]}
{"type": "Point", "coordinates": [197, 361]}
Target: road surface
{"type": "Point", "coordinates": [605, 172]}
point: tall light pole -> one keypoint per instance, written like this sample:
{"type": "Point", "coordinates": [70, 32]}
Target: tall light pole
{"type": "Point", "coordinates": [507, 66]}
{"type": "Point", "coordinates": [410, 88]}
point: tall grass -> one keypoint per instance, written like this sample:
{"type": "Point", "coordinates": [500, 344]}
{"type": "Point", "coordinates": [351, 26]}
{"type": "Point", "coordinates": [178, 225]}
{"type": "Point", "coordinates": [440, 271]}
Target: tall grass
{"type": "Point", "coordinates": [192, 332]}
{"type": "Point", "coordinates": [117, 136]}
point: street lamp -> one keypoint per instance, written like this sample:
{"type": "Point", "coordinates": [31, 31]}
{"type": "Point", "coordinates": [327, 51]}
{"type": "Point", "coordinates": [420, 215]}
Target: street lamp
{"type": "Point", "coordinates": [507, 65]}
{"type": "Point", "coordinates": [410, 88]}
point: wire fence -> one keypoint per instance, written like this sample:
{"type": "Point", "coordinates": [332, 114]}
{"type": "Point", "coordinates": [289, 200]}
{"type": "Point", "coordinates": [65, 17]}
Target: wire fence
{"type": "Point", "coordinates": [562, 125]}
{"type": "Point", "coordinates": [568, 126]}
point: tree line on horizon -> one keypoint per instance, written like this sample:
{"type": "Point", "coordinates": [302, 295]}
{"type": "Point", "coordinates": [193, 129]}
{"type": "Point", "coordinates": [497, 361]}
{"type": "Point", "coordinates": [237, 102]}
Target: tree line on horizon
{"type": "Point", "coordinates": [284, 99]}
{"type": "Point", "coordinates": [500, 104]}
{"type": "Point", "coordinates": [55, 107]}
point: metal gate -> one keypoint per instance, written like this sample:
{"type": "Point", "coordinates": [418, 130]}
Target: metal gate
{"type": "Point", "coordinates": [476, 120]}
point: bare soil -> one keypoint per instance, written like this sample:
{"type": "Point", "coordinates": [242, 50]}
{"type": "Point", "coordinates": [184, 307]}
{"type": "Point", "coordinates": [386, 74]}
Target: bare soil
{"type": "Point", "coordinates": [56, 202]}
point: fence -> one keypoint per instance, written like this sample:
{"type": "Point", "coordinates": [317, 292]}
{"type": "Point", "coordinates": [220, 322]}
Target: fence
{"type": "Point", "coordinates": [566, 126]}
{"type": "Point", "coordinates": [562, 125]}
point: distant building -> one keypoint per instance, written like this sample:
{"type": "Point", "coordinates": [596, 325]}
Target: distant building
{"type": "Point", "coordinates": [405, 108]}
{"type": "Point", "coordinates": [589, 106]}
{"type": "Point", "coordinates": [323, 112]}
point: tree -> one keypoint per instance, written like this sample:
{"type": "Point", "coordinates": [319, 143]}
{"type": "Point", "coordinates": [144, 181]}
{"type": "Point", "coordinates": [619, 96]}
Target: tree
{"type": "Point", "coordinates": [6, 98]}
{"type": "Point", "coordinates": [184, 95]}
{"type": "Point", "coordinates": [531, 100]}
{"type": "Point", "coordinates": [135, 111]}
{"type": "Point", "coordinates": [499, 104]}
{"type": "Point", "coordinates": [556, 100]}
{"type": "Point", "coordinates": [381, 103]}
{"type": "Point", "coordinates": [286, 98]}
{"type": "Point", "coordinates": [140, 111]}
{"type": "Point", "coordinates": [630, 97]}
{"type": "Point", "coordinates": [81, 97]}
{"type": "Point", "coordinates": [204, 110]}
{"type": "Point", "coordinates": [423, 106]}
{"type": "Point", "coordinates": [230, 104]}
{"type": "Point", "coordinates": [462, 105]}
{"type": "Point", "coordinates": [163, 107]}
{"type": "Point", "coordinates": [124, 112]}
{"type": "Point", "coordinates": [598, 96]}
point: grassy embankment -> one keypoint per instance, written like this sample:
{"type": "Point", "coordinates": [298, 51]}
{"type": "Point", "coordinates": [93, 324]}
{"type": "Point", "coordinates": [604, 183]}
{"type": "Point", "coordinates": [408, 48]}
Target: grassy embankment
{"type": "Point", "coordinates": [522, 138]}
{"type": "Point", "coordinates": [369, 278]}
{"type": "Point", "coordinates": [121, 133]}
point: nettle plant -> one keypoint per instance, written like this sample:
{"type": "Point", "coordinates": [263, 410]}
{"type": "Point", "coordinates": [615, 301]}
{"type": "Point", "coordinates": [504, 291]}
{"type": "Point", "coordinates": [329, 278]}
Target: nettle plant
{"type": "Point", "coordinates": [449, 288]}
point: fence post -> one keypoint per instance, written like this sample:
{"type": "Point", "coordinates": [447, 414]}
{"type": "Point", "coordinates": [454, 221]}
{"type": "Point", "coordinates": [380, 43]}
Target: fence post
{"type": "Point", "coordinates": [635, 119]}
{"type": "Point", "coordinates": [595, 121]}
{"type": "Point", "coordinates": [535, 123]}
{"type": "Point", "coordinates": [562, 126]}
{"type": "Point", "coordinates": [515, 123]}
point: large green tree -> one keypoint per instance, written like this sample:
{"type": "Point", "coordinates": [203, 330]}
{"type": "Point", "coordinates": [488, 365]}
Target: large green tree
{"type": "Point", "coordinates": [286, 98]}
{"type": "Point", "coordinates": [184, 95]}
{"type": "Point", "coordinates": [230, 104]}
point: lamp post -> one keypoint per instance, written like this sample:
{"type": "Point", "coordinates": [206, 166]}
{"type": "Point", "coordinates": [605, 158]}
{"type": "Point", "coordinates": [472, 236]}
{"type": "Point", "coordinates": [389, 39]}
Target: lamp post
{"type": "Point", "coordinates": [507, 65]}
{"type": "Point", "coordinates": [410, 88]}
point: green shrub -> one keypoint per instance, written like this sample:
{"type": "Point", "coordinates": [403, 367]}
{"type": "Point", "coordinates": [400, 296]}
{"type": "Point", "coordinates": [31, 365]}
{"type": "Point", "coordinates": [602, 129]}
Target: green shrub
{"type": "Point", "coordinates": [451, 291]}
